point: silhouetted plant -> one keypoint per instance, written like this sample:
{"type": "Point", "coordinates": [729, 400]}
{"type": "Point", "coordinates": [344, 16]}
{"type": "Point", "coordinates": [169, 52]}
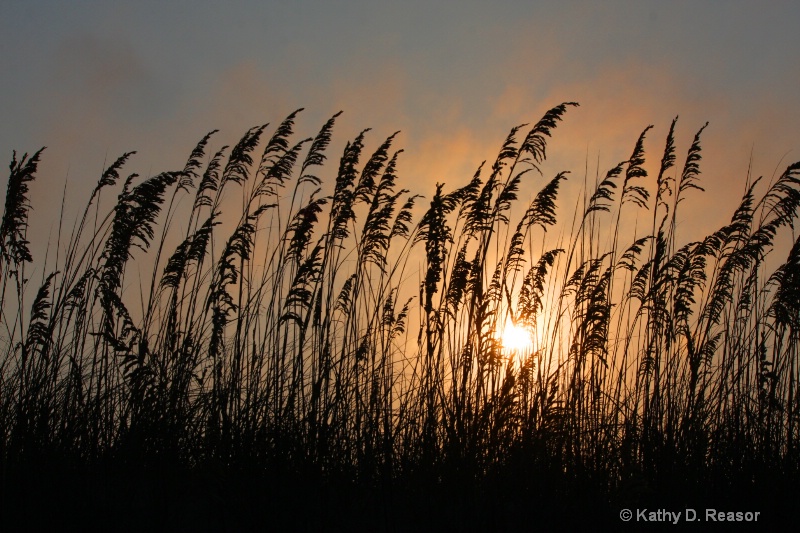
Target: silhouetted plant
{"type": "Point", "coordinates": [294, 337]}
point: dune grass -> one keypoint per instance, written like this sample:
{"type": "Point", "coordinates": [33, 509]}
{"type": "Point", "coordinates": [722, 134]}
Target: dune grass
{"type": "Point", "coordinates": [286, 333]}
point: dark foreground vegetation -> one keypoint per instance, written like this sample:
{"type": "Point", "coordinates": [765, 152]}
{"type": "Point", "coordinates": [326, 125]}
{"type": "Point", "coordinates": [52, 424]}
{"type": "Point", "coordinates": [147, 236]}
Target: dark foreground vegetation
{"type": "Point", "coordinates": [329, 356]}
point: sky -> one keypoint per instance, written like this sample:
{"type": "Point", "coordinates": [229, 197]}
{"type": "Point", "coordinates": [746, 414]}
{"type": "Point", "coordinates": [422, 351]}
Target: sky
{"type": "Point", "coordinates": [91, 80]}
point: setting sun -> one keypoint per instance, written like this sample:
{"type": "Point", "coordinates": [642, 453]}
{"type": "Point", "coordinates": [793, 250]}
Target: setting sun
{"type": "Point", "coordinates": [516, 338]}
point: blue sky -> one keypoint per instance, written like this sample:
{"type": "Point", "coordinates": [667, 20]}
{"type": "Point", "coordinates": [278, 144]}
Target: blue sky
{"type": "Point", "coordinates": [92, 80]}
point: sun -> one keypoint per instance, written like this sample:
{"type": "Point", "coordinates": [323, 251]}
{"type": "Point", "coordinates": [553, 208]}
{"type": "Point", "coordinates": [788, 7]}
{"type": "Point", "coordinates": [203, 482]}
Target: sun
{"type": "Point", "coordinates": [516, 339]}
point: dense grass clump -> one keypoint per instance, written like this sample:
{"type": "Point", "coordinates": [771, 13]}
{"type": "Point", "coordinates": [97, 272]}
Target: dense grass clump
{"type": "Point", "coordinates": [288, 359]}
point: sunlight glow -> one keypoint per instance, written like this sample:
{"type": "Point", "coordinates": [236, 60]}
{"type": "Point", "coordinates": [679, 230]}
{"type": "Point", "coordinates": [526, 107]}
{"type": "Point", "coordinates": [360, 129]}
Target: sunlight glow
{"type": "Point", "coordinates": [516, 339]}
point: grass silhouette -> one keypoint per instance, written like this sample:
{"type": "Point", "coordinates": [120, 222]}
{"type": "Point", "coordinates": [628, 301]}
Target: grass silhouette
{"type": "Point", "coordinates": [282, 360]}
